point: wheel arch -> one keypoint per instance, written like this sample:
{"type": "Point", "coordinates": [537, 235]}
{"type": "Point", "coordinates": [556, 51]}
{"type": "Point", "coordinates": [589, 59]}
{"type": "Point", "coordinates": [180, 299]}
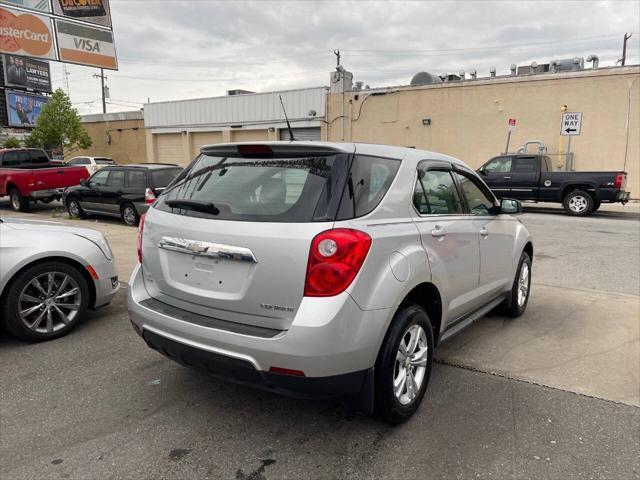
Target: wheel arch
{"type": "Point", "coordinates": [587, 187]}
{"type": "Point", "coordinates": [427, 296]}
{"type": "Point", "coordinates": [69, 261]}
{"type": "Point", "coordinates": [529, 249]}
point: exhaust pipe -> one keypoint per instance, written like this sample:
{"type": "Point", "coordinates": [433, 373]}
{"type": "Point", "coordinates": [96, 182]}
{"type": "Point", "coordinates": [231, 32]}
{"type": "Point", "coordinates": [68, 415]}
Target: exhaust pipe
{"type": "Point", "coordinates": [594, 59]}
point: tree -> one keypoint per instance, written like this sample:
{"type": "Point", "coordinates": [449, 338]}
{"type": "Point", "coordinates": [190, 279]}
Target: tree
{"type": "Point", "coordinates": [58, 125]}
{"type": "Point", "coordinates": [11, 142]}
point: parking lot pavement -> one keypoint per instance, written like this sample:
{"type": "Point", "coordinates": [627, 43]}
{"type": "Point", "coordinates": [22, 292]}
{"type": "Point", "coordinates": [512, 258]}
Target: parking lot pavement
{"type": "Point", "coordinates": [99, 404]}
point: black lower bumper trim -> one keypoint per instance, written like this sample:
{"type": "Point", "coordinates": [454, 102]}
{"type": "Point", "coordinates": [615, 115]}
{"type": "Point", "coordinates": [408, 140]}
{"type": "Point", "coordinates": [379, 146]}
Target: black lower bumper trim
{"type": "Point", "coordinates": [243, 372]}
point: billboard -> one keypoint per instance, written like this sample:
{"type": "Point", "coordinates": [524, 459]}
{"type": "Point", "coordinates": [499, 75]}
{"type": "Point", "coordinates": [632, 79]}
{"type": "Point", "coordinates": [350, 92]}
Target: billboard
{"type": "Point", "coordinates": [27, 73]}
{"type": "Point", "coordinates": [23, 109]}
{"type": "Point", "coordinates": [26, 34]}
{"type": "Point", "coordinates": [85, 45]}
{"type": "Point", "coordinates": [39, 5]}
{"type": "Point", "coordinates": [92, 11]}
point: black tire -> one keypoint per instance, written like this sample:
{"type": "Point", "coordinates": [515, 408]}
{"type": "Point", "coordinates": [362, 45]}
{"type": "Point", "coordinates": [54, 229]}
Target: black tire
{"type": "Point", "coordinates": [46, 201]}
{"type": "Point", "coordinates": [578, 203]}
{"type": "Point", "coordinates": [596, 206]}
{"type": "Point", "coordinates": [387, 405]}
{"type": "Point", "coordinates": [512, 307]}
{"type": "Point", "coordinates": [11, 305]}
{"type": "Point", "coordinates": [74, 208]}
{"type": "Point", "coordinates": [130, 215]}
{"type": "Point", "coordinates": [19, 203]}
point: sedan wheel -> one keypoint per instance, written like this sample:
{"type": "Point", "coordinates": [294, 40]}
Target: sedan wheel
{"type": "Point", "coordinates": [49, 302]}
{"type": "Point", "coordinates": [45, 301]}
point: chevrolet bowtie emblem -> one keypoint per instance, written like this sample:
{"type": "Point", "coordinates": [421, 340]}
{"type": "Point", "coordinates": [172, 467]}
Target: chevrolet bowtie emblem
{"type": "Point", "coordinates": [198, 248]}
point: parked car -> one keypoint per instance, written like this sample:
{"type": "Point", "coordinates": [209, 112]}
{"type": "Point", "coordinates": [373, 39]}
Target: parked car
{"type": "Point", "coordinates": [124, 192]}
{"type": "Point", "coordinates": [320, 269]}
{"type": "Point", "coordinates": [530, 177]}
{"type": "Point", "coordinates": [27, 175]}
{"type": "Point", "coordinates": [92, 164]}
{"type": "Point", "coordinates": [46, 287]}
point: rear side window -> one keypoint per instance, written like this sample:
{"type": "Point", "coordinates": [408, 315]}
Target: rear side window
{"type": "Point", "coordinates": [116, 179]}
{"type": "Point", "coordinates": [289, 189]}
{"type": "Point", "coordinates": [10, 159]}
{"type": "Point", "coordinates": [436, 194]}
{"type": "Point", "coordinates": [103, 161]}
{"type": "Point", "coordinates": [137, 179]}
{"type": "Point", "coordinates": [368, 182]}
{"type": "Point", "coordinates": [162, 178]}
{"type": "Point", "coordinates": [525, 165]}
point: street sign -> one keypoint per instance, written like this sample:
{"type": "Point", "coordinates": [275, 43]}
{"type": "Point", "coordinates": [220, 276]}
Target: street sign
{"type": "Point", "coordinates": [512, 122]}
{"type": "Point", "coordinates": [571, 124]}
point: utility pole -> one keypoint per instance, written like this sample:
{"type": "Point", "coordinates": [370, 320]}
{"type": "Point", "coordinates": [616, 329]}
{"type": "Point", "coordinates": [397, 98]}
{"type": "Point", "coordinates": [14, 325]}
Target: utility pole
{"type": "Point", "coordinates": [102, 79]}
{"type": "Point", "coordinates": [624, 48]}
{"type": "Point", "coordinates": [65, 79]}
{"type": "Point", "coordinates": [337, 54]}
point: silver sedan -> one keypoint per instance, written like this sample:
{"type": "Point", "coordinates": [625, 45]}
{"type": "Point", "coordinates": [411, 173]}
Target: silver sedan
{"type": "Point", "coordinates": [50, 275]}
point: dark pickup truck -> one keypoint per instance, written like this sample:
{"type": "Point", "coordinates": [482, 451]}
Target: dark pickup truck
{"type": "Point", "coordinates": [530, 177]}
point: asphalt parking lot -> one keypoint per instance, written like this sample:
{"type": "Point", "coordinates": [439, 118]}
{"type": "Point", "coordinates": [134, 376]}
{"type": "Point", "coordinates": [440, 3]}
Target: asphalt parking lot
{"type": "Point", "coordinates": [554, 394]}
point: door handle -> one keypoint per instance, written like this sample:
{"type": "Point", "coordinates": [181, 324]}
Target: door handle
{"type": "Point", "coordinates": [484, 232]}
{"type": "Point", "coordinates": [438, 232]}
{"type": "Point", "coordinates": [506, 177]}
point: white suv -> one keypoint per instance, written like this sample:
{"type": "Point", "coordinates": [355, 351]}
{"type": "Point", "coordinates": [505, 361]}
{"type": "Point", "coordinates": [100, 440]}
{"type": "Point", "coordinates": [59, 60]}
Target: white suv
{"type": "Point", "coordinates": [93, 164]}
{"type": "Point", "coordinates": [323, 269]}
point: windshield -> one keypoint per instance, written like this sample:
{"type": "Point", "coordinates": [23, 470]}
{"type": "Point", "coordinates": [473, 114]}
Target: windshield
{"type": "Point", "coordinates": [265, 189]}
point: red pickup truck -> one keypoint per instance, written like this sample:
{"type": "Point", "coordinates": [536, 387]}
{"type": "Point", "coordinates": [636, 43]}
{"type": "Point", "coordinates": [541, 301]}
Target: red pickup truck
{"type": "Point", "coordinates": [27, 174]}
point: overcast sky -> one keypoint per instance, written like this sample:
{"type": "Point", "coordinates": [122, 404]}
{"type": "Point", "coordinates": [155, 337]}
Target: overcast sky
{"type": "Point", "coordinates": [174, 49]}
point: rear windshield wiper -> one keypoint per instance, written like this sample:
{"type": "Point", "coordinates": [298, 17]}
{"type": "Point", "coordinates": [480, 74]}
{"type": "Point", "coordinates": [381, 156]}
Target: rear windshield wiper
{"type": "Point", "coordinates": [205, 207]}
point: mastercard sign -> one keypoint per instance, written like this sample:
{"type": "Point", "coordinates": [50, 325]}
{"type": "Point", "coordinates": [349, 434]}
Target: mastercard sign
{"type": "Point", "coordinates": [26, 34]}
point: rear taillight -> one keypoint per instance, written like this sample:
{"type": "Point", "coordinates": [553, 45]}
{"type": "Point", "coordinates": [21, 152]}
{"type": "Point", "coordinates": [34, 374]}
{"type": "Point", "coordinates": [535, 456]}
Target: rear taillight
{"type": "Point", "coordinates": [140, 232]}
{"type": "Point", "coordinates": [618, 182]}
{"type": "Point", "coordinates": [335, 259]}
{"type": "Point", "coordinates": [149, 196]}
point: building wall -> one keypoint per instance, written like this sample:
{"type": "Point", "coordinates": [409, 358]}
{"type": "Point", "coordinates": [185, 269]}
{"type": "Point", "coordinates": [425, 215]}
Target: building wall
{"type": "Point", "coordinates": [122, 140]}
{"type": "Point", "coordinates": [469, 119]}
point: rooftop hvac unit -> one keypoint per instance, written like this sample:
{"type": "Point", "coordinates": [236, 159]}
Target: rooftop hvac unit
{"type": "Point", "coordinates": [532, 69]}
{"type": "Point", "coordinates": [567, 65]}
{"type": "Point", "coordinates": [424, 78]}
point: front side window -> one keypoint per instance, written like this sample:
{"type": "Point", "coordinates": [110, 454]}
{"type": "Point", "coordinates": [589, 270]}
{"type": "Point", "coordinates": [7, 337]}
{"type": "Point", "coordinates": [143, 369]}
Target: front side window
{"type": "Point", "coordinates": [38, 157]}
{"type": "Point", "coordinates": [99, 179]}
{"type": "Point", "coordinates": [478, 201]}
{"type": "Point", "coordinates": [498, 165]}
{"type": "Point", "coordinates": [436, 194]}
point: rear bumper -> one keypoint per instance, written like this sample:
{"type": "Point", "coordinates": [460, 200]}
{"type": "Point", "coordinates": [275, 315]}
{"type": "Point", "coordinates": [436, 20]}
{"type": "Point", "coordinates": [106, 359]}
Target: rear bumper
{"type": "Point", "coordinates": [241, 371]}
{"type": "Point", "coordinates": [622, 197]}
{"type": "Point", "coordinates": [333, 345]}
{"type": "Point", "coordinates": [47, 193]}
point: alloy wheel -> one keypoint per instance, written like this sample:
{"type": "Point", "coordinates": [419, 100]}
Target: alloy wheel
{"type": "Point", "coordinates": [15, 202]}
{"type": "Point", "coordinates": [49, 302]}
{"type": "Point", "coordinates": [410, 365]}
{"type": "Point", "coordinates": [578, 204]}
{"type": "Point", "coordinates": [523, 284]}
{"type": "Point", "coordinates": [74, 209]}
{"type": "Point", "coordinates": [129, 216]}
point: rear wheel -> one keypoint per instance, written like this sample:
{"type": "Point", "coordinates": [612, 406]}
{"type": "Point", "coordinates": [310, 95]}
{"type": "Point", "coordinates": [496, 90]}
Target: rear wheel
{"type": "Point", "coordinates": [516, 303]}
{"type": "Point", "coordinates": [19, 203]}
{"type": "Point", "coordinates": [130, 215]}
{"type": "Point", "coordinates": [578, 203]}
{"type": "Point", "coordinates": [45, 301]}
{"type": "Point", "coordinates": [596, 206]}
{"type": "Point", "coordinates": [404, 365]}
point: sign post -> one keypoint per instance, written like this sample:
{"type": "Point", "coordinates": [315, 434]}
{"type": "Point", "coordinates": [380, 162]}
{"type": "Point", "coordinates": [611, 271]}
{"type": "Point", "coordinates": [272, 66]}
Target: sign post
{"type": "Point", "coordinates": [512, 125]}
{"type": "Point", "coordinates": [570, 126]}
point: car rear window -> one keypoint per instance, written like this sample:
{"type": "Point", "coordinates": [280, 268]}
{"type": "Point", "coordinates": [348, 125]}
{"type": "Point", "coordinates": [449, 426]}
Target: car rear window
{"type": "Point", "coordinates": [291, 189]}
{"type": "Point", "coordinates": [104, 161]}
{"type": "Point", "coordinates": [39, 157]}
{"type": "Point", "coordinates": [162, 178]}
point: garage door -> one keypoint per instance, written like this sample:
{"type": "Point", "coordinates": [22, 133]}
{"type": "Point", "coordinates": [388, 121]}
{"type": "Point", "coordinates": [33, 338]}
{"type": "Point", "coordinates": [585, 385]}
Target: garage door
{"type": "Point", "coordinates": [198, 139]}
{"type": "Point", "coordinates": [310, 134]}
{"type": "Point", "coordinates": [169, 148]}
{"type": "Point", "coordinates": [250, 135]}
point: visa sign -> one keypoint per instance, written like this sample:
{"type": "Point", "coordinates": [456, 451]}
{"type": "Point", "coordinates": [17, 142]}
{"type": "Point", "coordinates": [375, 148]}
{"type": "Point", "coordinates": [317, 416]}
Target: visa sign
{"type": "Point", "coordinates": [86, 45]}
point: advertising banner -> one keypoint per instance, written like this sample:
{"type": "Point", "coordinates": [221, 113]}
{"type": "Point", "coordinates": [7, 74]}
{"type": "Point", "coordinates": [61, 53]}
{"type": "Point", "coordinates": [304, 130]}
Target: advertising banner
{"type": "Point", "coordinates": [92, 11]}
{"type": "Point", "coordinates": [23, 109]}
{"type": "Point", "coordinates": [39, 5]}
{"type": "Point", "coordinates": [26, 34]}
{"type": "Point", "coordinates": [85, 45]}
{"type": "Point", "coordinates": [27, 73]}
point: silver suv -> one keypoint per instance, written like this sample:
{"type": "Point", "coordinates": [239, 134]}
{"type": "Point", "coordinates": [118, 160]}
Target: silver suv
{"type": "Point", "coordinates": [321, 269]}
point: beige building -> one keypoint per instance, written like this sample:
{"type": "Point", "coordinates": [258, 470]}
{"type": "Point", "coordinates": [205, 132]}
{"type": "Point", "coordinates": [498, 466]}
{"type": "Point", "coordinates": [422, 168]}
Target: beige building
{"type": "Point", "coordinates": [468, 118]}
{"type": "Point", "coordinates": [120, 136]}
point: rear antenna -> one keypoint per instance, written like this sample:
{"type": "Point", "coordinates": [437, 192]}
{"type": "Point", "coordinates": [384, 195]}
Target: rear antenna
{"type": "Point", "coordinates": [287, 119]}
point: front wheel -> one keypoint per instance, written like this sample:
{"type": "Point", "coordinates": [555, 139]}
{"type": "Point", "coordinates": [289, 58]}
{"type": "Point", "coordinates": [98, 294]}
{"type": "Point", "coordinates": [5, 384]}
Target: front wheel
{"type": "Point", "coordinates": [74, 208]}
{"type": "Point", "coordinates": [404, 365]}
{"type": "Point", "coordinates": [516, 303]}
{"type": "Point", "coordinates": [19, 202]}
{"type": "Point", "coordinates": [578, 203]}
{"type": "Point", "coordinates": [45, 301]}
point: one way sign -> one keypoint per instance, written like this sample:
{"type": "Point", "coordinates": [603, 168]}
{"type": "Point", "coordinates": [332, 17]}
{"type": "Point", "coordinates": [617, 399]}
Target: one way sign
{"type": "Point", "coordinates": [571, 123]}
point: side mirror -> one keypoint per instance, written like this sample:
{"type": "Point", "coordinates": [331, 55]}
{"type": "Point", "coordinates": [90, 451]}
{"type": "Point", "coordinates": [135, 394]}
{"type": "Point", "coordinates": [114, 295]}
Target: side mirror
{"type": "Point", "coordinates": [482, 171]}
{"type": "Point", "coordinates": [83, 182]}
{"type": "Point", "coordinates": [510, 206]}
